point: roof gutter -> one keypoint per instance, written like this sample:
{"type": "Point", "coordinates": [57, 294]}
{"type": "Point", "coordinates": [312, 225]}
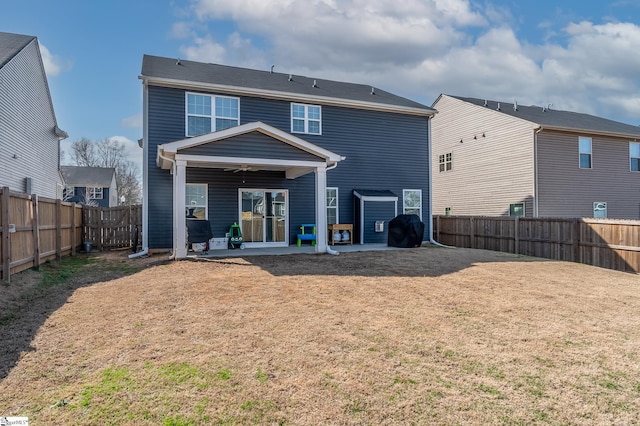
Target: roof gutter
{"type": "Point", "coordinates": [590, 131]}
{"type": "Point", "coordinates": [288, 96]}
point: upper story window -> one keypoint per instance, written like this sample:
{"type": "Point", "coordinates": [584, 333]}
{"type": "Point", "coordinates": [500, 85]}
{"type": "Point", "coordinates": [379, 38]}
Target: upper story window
{"type": "Point", "coordinates": [585, 152]}
{"type": "Point", "coordinates": [95, 193]}
{"type": "Point", "coordinates": [306, 119]}
{"type": "Point", "coordinates": [634, 156]}
{"type": "Point", "coordinates": [445, 162]}
{"type": "Point", "coordinates": [207, 113]}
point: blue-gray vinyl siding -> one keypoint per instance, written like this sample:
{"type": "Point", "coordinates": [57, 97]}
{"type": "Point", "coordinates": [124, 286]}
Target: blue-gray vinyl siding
{"type": "Point", "coordinates": [80, 197]}
{"type": "Point", "coordinates": [373, 211]}
{"type": "Point", "coordinates": [383, 151]}
{"type": "Point", "coordinates": [253, 145]}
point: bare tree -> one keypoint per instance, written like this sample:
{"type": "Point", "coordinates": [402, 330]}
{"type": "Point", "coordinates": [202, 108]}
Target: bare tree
{"type": "Point", "coordinates": [110, 153]}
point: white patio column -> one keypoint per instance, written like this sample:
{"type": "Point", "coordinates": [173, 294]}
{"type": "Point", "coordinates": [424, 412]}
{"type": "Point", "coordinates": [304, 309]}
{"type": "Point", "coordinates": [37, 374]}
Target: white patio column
{"type": "Point", "coordinates": [321, 211]}
{"type": "Point", "coordinates": [179, 218]}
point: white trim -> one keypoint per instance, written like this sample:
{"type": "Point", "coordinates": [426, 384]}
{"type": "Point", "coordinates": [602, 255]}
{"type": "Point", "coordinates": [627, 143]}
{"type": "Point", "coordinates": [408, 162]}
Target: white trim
{"type": "Point", "coordinates": [179, 218]}
{"type": "Point", "coordinates": [288, 96]}
{"type": "Point", "coordinates": [590, 152]}
{"type": "Point", "coordinates": [404, 197]}
{"type": "Point", "coordinates": [214, 161]}
{"type": "Point", "coordinates": [337, 206]}
{"type": "Point", "coordinates": [145, 167]}
{"type": "Point", "coordinates": [214, 113]}
{"type": "Point", "coordinates": [306, 119]}
{"type": "Point", "coordinates": [321, 209]}
{"type": "Point", "coordinates": [206, 197]}
{"type": "Point", "coordinates": [363, 199]}
{"type": "Point", "coordinates": [263, 244]}
{"type": "Point", "coordinates": [92, 192]}
{"type": "Point", "coordinates": [173, 147]}
{"type": "Point", "coordinates": [631, 157]}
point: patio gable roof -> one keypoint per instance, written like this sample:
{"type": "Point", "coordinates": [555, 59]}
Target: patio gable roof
{"type": "Point", "coordinates": [279, 150]}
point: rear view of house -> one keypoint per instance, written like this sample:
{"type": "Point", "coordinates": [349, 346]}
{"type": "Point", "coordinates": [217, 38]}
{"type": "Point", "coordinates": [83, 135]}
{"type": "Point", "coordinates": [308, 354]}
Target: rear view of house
{"type": "Point", "coordinates": [29, 133]}
{"type": "Point", "coordinates": [94, 186]}
{"type": "Point", "coordinates": [499, 159]}
{"type": "Point", "coordinates": [274, 151]}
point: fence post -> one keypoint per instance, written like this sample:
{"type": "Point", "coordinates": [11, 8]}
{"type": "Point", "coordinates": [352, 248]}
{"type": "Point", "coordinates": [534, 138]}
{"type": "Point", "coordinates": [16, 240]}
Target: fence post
{"type": "Point", "coordinates": [35, 223]}
{"type": "Point", "coordinates": [438, 228]}
{"type": "Point", "coordinates": [472, 243]}
{"type": "Point", "coordinates": [58, 229]}
{"type": "Point", "coordinates": [6, 238]}
{"type": "Point", "coordinates": [100, 228]}
{"type": "Point", "coordinates": [517, 235]}
{"type": "Point", "coordinates": [576, 241]}
{"type": "Point", "coordinates": [73, 230]}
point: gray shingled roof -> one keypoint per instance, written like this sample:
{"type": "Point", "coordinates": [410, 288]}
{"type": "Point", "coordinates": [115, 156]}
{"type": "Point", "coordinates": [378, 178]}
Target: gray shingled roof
{"type": "Point", "coordinates": [87, 176]}
{"type": "Point", "coordinates": [11, 44]}
{"type": "Point", "coordinates": [189, 71]}
{"type": "Point", "coordinates": [557, 119]}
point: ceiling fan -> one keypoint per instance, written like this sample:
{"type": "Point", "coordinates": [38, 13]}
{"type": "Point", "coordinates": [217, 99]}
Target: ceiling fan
{"type": "Point", "coordinates": [242, 168]}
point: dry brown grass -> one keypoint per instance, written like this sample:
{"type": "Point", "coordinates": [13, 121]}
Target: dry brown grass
{"type": "Point", "coordinates": [419, 336]}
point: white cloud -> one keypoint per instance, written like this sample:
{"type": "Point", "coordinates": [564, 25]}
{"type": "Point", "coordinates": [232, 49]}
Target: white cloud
{"type": "Point", "coordinates": [420, 48]}
{"type": "Point", "coordinates": [53, 65]}
{"type": "Point", "coordinates": [135, 121]}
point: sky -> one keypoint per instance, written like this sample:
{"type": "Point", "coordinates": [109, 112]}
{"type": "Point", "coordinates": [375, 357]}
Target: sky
{"type": "Point", "coordinates": [581, 56]}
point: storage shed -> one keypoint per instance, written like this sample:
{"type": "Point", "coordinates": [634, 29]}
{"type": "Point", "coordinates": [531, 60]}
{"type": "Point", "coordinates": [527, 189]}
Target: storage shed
{"type": "Point", "coordinates": [372, 211]}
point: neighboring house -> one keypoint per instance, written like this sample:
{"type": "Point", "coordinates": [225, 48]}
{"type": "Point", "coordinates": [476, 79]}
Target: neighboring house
{"type": "Point", "coordinates": [502, 159]}
{"type": "Point", "coordinates": [29, 133]}
{"type": "Point", "coordinates": [274, 151]}
{"type": "Point", "coordinates": [94, 186]}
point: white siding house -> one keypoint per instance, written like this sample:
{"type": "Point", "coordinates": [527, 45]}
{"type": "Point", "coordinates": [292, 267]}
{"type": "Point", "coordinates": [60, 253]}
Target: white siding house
{"type": "Point", "coordinates": [29, 133]}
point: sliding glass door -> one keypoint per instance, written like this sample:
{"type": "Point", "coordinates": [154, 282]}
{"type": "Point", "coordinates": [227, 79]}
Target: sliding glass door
{"type": "Point", "coordinates": [263, 217]}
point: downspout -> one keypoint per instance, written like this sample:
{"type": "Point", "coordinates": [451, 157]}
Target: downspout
{"type": "Point", "coordinates": [145, 167]}
{"type": "Point", "coordinates": [431, 239]}
{"type": "Point", "coordinates": [329, 249]}
{"type": "Point", "coordinates": [535, 171]}
{"type": "Point", "coordinates": [146, 249]}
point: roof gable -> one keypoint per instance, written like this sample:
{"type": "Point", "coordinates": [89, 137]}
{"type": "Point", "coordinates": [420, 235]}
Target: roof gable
{"type": "Point", "coordinates": [11, 45]}
{"type": "Point", "coordinates": [234, 80]}
{"type": "Point", "coordinates": [100, 177]}
{"type": "Point", "coordinates": [553, 119]}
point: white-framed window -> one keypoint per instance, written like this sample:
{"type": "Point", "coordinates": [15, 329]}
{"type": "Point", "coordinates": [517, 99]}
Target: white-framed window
{"type": "Point", "coordinates": [600, 209]}
{"type": "Point", "coordinates": [516, 210]}
{"type": "Point", "coordinates": [445, 161]}
{"type": "Point", "coordinates": [208, 113]}
{"type": "Point", "coordinates": [68, 192]}
{"type": "Point", "coordinates": [196, 201]}
{"type": "Point", "coordinates": [306, 119]}
{"type": "Point", "coordinates": [332, 206]}
{"type": "Point", "coordinates": [585, 152]}
{"type": "Point", "coordinates": [634, 156]}
{"type": "Point", "coordinates": [94, 193]}
{"type": "Point", "coordinates": [412, 202]}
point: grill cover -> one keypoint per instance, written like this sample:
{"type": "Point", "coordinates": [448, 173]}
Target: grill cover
{"type": "Point", "coordinates": [405, 230]}
{"type": "Point", "coordinates": [198, 231]}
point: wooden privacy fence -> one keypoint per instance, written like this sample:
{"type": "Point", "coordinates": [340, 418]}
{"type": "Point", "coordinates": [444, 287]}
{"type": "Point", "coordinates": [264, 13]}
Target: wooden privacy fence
{"type": "Point", "coordinates": [607, 243]}
{"type": "Point", "coordinates": [34, 230]}
{"type": "Point", "coordinates": [112, 228]}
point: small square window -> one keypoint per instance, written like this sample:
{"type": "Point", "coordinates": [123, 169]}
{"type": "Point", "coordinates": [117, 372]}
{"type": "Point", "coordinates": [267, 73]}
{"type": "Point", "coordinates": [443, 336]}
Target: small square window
{"type": "Point", "coordinates": [447, 211]}
{"type": "Point", "coordinates": [516, 210]}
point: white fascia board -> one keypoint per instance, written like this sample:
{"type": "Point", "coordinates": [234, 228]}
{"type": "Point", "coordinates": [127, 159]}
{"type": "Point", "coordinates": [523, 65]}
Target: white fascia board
{"type": "Point", "coordinates": [587, 132]}
{"type": "Point", "coordinates": [374, 198]}
{"type": "Point", "coordinates": [249, 161]}
{"type": "Point", "coordinates": [287, 96]}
